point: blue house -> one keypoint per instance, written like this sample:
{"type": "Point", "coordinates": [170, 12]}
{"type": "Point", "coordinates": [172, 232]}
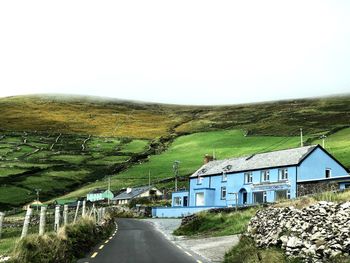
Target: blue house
{"type": "Point", "coordinates": [259, 178]}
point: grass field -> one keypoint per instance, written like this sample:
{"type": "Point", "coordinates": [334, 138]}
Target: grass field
{"type": "Point", "coordinates": [47, 140]}
{"type": "Point", "coordinates": [190, 151]}
{"type": "Point", "coordinates": [57, 163]}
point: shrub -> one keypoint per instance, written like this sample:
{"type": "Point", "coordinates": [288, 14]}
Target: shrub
{"type": "Point", "coordinates": [73, 241]}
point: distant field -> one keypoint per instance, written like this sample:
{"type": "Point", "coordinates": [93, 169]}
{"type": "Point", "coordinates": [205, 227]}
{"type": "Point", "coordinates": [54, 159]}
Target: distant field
{"type": "Point", "coordinates": [56, 164]}
{"type": "Point", "coordinates": [116, 118]}
{"type": "Point", "coordinates": [58, 144]}
{"type": "Point", "coordinates": [190, 151]}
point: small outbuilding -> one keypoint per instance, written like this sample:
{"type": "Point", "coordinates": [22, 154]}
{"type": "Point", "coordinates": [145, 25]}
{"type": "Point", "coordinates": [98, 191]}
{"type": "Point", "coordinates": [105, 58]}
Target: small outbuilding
{"type": "Point", "coordinates": [136, 192]}
{"type": "Point", "coordinates": [99, 195]}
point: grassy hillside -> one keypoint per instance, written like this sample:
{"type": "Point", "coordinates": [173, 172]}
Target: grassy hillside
{"type": "Point", "coordinates": [115, 118]}
{"type": "Point", "coordinates": [128, 139]}
{"type": "Point", "coordinates": [57, 163]}
{"type": "Point", "coordinates": [190, 150]}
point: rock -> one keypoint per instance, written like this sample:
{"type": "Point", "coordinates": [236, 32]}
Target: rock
{"type": "Point", "coordinates": [294, 242]}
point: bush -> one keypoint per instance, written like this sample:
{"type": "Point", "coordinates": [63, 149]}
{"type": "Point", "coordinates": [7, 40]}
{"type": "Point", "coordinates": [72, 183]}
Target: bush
{"type": "Point", "coordinates": [73, 241]}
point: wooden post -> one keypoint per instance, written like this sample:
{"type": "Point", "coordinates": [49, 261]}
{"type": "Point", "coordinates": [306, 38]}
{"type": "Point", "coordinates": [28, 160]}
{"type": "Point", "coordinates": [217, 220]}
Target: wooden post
{"type": "Point", "coordinates": [26, 222]}
{"type": "Point", "coordinates": [76, 212]}
{"type": "Point", "coordinates": [84, 207]}
{"type": "Point", "coordinates": [65, 214]}
{"type": "Point", "coordinates": [57, 218]}
{"type": "Point", "coordinates": [42, 222]}
{"type": "Point", "coordinates": [2, 215]}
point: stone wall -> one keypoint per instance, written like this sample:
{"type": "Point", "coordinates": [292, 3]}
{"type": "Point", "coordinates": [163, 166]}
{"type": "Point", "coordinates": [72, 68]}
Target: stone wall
{"type": "Point", "coordinates": [315, 233]}
{"type": "Point", "coordinates": [316, 187]}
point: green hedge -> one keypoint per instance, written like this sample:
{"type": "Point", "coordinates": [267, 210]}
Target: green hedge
{"type": "Point", "coordinates": [72, 242]}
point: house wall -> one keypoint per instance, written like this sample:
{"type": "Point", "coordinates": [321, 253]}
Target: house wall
{"type": "Point", "coordinates": [181, 194]}
{"type": "Point", "coordinates": [178, 211]}
{"type": "Point", "coordinates": [235, 184]}
{"type": "Point", "coordinates": [314, 166]}
{"type": "Point", "coordinates": [146, 193]}
{"type": "Point", "coordinates": [94, 197]}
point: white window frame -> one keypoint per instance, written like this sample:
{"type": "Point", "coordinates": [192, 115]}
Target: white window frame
{"type": "Point", "coordinates": [224, 176]}
{"type": "Point", "coordinates": [330, 173]}
{"type": "Point", "coordinates": [283, 174]}
{"type": "Point", "coordinates": [248, 177]}
{"type": "Point", "coordinates": [265, 175]}
{"type": "Point", "coordinates": [199, 180]}
{"type": "Point", "coordinates": [223, 190]}
{"type": "Point", "coordinates": [177, 201]}
{"type": "Point", "coordinates": [264, 197]}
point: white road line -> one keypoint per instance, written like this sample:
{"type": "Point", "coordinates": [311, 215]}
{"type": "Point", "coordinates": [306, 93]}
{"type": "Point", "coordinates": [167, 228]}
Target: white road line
{"type": "Point", "coordinates": [101, 246]}
{"type": "Point", "coordinates": [198, 261]}
{"type": "Point", "coordinates": [94, 255]}
{"type": "Point", "coordinates": [106, 241]}
{"type": "Point", "coordinates": [188, 253]}
{"type": "Point", "coordinates": [179, 247]}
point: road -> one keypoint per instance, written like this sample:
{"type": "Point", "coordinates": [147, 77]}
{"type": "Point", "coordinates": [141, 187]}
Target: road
{"type": "Point", "coordinates": [138, 241]}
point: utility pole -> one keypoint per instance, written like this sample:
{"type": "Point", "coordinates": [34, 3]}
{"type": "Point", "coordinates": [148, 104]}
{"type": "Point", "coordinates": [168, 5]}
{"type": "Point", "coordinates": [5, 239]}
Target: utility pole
{"type": "Point", "coordinates": [149, 178]}
{"type": "Point", "coordinates": [323, 137]}
{"type": "Point", "coordinates": [37, 198]}
{"type": "Point", "coordinates": [109, 189]}
{"type": "Point", "coordinates": [176, 172]}
{"type": "Point", "coordinates": [301, 137]}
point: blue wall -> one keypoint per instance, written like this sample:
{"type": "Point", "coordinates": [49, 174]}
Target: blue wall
{"type": "Point", "coordinates": [178, 211]}
{"type": "Point", "coordinates": [181, 194]}
{"type": "Point", "coordinates": [313, 167]}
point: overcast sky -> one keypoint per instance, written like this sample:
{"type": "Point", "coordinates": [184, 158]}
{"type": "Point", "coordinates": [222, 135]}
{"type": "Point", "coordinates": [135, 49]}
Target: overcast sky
{"type": "Point", "coordinates": [187, 52]}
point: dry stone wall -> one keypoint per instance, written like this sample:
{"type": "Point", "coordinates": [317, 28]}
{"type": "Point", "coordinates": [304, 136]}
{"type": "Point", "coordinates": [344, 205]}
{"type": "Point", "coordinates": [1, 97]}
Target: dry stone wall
{"type": "Point", "coordinates": [315, 233]}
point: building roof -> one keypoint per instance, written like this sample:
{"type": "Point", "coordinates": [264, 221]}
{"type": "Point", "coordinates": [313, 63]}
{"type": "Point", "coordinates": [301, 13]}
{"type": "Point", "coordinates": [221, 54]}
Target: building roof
{"type": "Point", "coordinates": [258, 161]}
{"type": "Point", "coordinates": [134, 193]}
{"type": "Point", "coordinates": [97, 191]}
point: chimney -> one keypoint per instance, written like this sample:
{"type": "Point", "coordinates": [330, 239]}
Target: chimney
{"type": "Point", "coordinates": [208, 158]}
{"type": "Point", "coordinates": [128, 190]}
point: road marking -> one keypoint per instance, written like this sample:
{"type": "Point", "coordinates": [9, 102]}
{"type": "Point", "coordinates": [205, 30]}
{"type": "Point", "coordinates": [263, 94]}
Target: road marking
{"type": "Point", "coordinates": [198, 261]}
{"type": "Point", "coordinates": [94, 255]}
{"type": "Point", "coordinates": [110, 238]}
{"type": "Point", "coordinates": [188, 253]}
{"type": "Point", "coordinates": [101, 246]}
{"type": "Point", "coordinates": [179, 247]}
{"type": "Point", "coordinates": [106, 241]}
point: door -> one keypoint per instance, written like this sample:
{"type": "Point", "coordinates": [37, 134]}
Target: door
{"type": "Point", "coordinates": [245, 197]}
{"type": "Point", "coordinates": [185, 200]}
{"type": "Point", "coordinates": [199, 199]}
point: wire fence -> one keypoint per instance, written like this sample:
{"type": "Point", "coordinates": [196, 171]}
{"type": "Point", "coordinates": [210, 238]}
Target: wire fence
{"type": "Point", "coordinates": [44, 220]}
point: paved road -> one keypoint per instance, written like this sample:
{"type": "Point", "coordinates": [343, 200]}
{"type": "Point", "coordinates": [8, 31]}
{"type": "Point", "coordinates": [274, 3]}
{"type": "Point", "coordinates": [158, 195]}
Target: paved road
{"type": "Point", "coordinates": [138, 241]}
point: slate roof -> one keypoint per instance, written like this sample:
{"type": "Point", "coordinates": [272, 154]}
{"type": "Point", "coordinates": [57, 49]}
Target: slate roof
{"type": "Point", "coordinates": [97, 191]}
{"type": "Point", "coordinates": [134, 192]}
{"type": "Point", "coordinates": [254, 162]}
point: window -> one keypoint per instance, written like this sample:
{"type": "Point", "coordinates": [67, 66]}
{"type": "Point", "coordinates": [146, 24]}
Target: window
{"type": "Point", "coordinates": [259, 197]}
{"type": "Point", "coordinates": [224, 177]}
{"type": "Point", "coordinates": [199, 180]}
{"type": "Point", "coordinates": [177, 201]}
{"type": "Point", "coordinates": [223, 192]}
{"type": "Point", "coordinates": [199, 199]}
{"type": "Point", "coordinates": [248, 178]}
{"type": "Point", "coordinates": [283, 174]}
{"type": "Point", "coordinates": [265, 175]}
{"type": "Point", "coordinates": [328, 172]}
{"type": "Point", "coordinates": [282, 194]}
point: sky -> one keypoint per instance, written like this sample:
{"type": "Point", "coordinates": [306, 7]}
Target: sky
{"type": "Point", "coordinates": [183, 51]}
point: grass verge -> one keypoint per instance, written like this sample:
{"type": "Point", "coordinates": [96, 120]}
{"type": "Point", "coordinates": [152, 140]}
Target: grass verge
{"type": "Point", "coordinates": [217, 224]}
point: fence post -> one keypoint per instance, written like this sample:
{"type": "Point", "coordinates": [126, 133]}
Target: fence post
{"type": "Point", "coordinates": [76, 212]}
{"type": "Point", "coordinates": [57, 218]}
{"type": "Point", "coordinates": [26, 222]}
{"type": "Point", "coordinates": [42, 222]}
{"type": "Point", "coordinates": [2, 215]}
{"type": "Point", "coordinates": [65, 214]}
{"type": "Point", "coordinates": [84, 207]}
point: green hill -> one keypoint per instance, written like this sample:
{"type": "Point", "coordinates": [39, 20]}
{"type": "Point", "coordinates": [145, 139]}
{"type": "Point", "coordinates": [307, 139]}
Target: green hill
{"type": "Point", "coordinates": [59, 144]}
